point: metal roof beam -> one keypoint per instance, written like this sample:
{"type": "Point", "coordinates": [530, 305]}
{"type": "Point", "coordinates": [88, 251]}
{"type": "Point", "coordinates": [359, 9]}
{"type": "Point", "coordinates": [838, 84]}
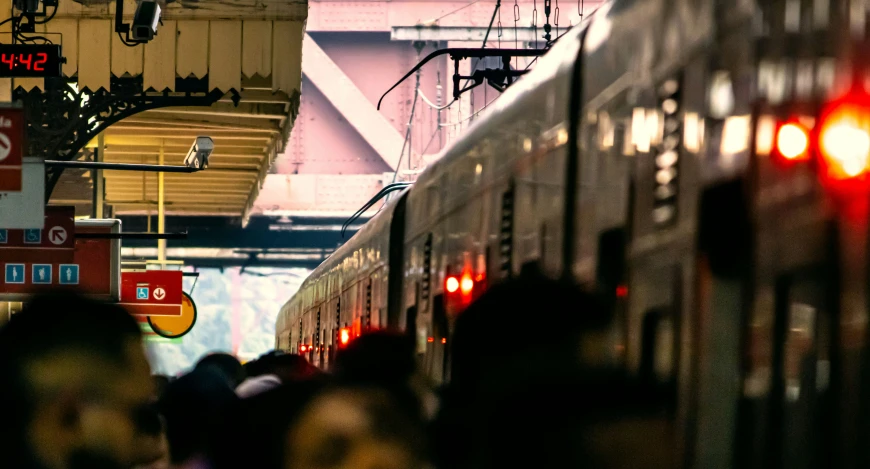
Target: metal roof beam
{"type": "Point", "coordinates": [351, 103]}
{"type": "Point", "coordinates": [462, 33]}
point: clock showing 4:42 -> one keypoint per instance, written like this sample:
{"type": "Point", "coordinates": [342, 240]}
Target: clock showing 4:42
{"type": "Point", "coordinates": [30, 60]}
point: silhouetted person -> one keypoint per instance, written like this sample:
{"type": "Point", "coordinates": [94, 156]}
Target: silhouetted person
{"type": "Point", "coordinates": [226, 364]}
{"type": "Point", "coordinates": [353, 427]}
{"type": "Point", "coordinates": [381, 359]}
{"type": "Point", "coordinates": [525, 392]}
{"type": "Point", "coordinates": [200, 410]}
{"type": "Point", "coordinates": [267, 419]}
{"type": "Point", "coordinates": [75, 385]}
{"type": "Point", "coordinates": [287, 367]}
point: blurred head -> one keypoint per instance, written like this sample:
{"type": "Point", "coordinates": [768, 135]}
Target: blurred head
{"type": "Point", "coordinates": [385, 360]}
{"type": "Point", "coordinates": [527, 374]}
{"type": "Point", "coordinates": [76, 385]}
{"type": "Point", "coordinates": [199, 409]}
{"type": "Point", "coordinates": [226, 364]}
{"type": "Point", "coordinates": [353, 428]}
{"type": "Point", "coordinates": [288, 367]}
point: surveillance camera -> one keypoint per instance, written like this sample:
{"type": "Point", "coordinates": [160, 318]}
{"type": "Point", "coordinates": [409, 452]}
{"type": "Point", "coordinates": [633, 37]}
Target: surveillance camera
{"type": "Point", "coordinates": [199, 152]}
{"type": "Point", "coordinates": [145, 21]}
{"type": "Point", "coordinates": [27, 6]}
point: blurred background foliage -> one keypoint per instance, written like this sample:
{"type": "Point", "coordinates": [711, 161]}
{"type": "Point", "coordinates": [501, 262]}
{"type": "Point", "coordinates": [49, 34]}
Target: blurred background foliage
{"type": "Point", "coordinates": [236, 313]}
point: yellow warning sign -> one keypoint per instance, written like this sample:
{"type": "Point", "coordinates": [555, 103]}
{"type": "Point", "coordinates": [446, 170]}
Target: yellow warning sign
{"type": "Point", "coordinates": [173, 327]}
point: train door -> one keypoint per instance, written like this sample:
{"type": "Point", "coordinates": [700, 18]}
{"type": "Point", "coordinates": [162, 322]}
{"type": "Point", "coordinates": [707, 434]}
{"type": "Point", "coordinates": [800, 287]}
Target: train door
{"type": "Point", "coordinates": [787, 415]}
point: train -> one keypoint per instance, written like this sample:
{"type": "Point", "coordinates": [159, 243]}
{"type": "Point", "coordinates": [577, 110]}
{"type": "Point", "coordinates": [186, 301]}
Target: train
{"type": "Point", "coordinates": [704, 165]}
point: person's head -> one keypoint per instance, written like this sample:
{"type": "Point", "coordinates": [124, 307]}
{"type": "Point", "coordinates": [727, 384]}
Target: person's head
{"type": "Point", "coordinates": [526, 376]}
{"type": "Point", "coordinates": [199, 410]}
{"type": "Point", "coordinates": [382, 359]}
{"type": "Point", "coordinates": [226, 364]}
{"type": "Point", "coordinates": [353, 428]}
{"type": "Point", "coordinates": [289, 367]}
{"type": "Point", "coordinates": [76, 385]}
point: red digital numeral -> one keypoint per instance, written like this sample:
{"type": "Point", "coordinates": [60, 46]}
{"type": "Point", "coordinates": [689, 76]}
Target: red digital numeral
{"type": "Point", "coordinates": [27, 60]}
{"type": "Point", "coordinates": [9, 60]}
{"type": "Point", "coordinates": [41, 58]}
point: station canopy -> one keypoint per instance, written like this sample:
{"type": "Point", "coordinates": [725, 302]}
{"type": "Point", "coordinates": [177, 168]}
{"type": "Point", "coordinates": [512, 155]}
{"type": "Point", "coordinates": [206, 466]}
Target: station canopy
{"type": "Point", "coordinates": [252, 47]}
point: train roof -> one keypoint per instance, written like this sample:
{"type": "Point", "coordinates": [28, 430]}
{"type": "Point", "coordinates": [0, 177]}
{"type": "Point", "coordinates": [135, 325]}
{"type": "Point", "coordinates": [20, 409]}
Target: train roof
{"type": "Point", "coordinates": [560, 59]}
{"type": "Point", "coordinates": [374, 227]}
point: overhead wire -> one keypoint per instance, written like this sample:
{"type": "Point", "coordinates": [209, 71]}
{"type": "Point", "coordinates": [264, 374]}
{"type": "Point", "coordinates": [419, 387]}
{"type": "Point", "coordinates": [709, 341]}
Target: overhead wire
{"type": "Point", "coordinates": [405, 144]}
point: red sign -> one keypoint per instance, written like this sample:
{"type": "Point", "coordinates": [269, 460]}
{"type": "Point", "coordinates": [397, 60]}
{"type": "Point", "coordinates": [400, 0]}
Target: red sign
{"type": "Point", "coordinates": [152, 292]}
{"type": "Point", "coordinates": [54, 243]}
{"type": "Point", "coordinates": [11, 148]}
{"type": "Point", "coordinates": [86, 266]}
{"type": "Point", "coordinates": [95, 256]}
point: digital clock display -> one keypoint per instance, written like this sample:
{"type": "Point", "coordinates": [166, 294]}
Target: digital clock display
{"type": "Point", "coordinates": [30, 60]}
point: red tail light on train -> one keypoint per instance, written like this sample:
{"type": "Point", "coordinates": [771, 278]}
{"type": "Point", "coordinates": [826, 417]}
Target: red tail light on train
{"type": "Point", "coordinates": [464, 285]}
{"type": "Point", "coordinates": [844, 139]}
{"type": "Point", "coordinates": [451, 284]}
{"type": "Point", "coordinates": [838, 143]}
{"type": "Point", "coordinates": [793, 142]}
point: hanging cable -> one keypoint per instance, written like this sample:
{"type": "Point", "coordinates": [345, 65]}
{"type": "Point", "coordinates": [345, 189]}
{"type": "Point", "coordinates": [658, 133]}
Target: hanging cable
{"type": "Point", "coordinates": [49, 18]}
{"type": "Point", "coordinates": [516, 31]}
{"type": "Point", "coordinates": [410, 123]}
{"type": "Point", "coordinates": [491, 21]}
{"type": "Point", "coordinates": [499, 28]}
{"type": "Point", "coordinates": [556, 19]}
{"type": "Point", "coordinates": [535, 20]}
{"type": "Point", "coordinates": [432, 105]}
{"type": "Point", "coordinates": [461, 121]}
{"type": "Point", "coordinates": [455, 11]}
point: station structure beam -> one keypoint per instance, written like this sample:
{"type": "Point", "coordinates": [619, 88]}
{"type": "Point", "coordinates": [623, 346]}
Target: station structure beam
{"type": "Point", "coordinates": [342, 93]}
{"type": "Point", "coordinates": [462, 34]}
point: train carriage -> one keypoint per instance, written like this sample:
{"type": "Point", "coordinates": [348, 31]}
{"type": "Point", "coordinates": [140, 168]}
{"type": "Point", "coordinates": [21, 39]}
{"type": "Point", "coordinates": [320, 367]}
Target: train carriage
{"type": "Point", "coordinates": [703, 166]}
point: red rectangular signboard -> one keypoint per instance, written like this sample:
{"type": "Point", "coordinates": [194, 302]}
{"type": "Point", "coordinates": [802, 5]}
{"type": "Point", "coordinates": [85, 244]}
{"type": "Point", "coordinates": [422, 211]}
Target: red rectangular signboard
{"type": "Point", "coordinates": [152, 292]}
{"type": "Point", "coordinates": [90, 266]}
{"type": "Point", "coordinates": [97, 258]}
{"type": "Point", "coordinates": [11, 148]}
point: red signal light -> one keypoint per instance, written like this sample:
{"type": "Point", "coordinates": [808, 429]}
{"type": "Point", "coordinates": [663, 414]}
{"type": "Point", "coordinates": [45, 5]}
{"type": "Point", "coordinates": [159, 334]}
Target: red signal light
{"type": "Point", "coordinates": [844, 138]}
{"type": "Point", "coordinates": [444, 340]}
{"type": "Point", "coordinates": [452, 284]}
{"type": "Point", "coordinates": [793, 142]}
{"type": "Point", "coordinates": [467, 284]}
{"type": "Point", "coordinates": [844, 143]}
{"type": "Point", "coordinates": [621, 291]}
{"type": "Point", "coordinates": [302, 348]}
{"type": "Point", "coordinates": [430, 339]}
{"type": "Point", "coordinates": [344, 336]}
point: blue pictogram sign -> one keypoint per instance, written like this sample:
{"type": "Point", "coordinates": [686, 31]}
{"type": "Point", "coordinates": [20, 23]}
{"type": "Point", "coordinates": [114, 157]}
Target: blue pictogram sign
{"type": "Point", "coordinates": [32, 236]}
{"type": "Point", "coordinates": [69, 274]}
{"type": "Point", "coordinates": [14, 273]}
{"type": "Point", "coordinates": [41, 274]}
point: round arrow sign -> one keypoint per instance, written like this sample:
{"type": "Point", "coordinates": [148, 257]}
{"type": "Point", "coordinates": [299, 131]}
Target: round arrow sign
{"type": "Point", "coordinates": [5, 146]}
{"type": "Point", "coordinates": [159, 293]}
{"type": "Point", "coordinates": [173, 327]}
{"type": "Point", "coordinates": [57, 235]}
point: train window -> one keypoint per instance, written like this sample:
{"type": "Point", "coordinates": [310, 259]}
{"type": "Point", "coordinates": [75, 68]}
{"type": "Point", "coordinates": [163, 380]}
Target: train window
{"type": "Point", "coordinates": [657, 348]}
{"type": "Point", "coordinates": [427, 269]}
{"type": "Point", "coordinates": [506, 231]}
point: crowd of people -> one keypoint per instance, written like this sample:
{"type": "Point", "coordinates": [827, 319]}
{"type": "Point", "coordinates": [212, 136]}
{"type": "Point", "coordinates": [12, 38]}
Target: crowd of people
{"type": "Point", "coordinates": [78, 394]}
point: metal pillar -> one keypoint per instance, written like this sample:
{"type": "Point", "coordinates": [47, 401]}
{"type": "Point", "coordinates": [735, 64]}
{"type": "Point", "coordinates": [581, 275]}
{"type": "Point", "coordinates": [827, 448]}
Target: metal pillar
{"type": "Point", "coordinates": [99, 197]}
{"type": "Point", "coordinates": [161, 215]}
